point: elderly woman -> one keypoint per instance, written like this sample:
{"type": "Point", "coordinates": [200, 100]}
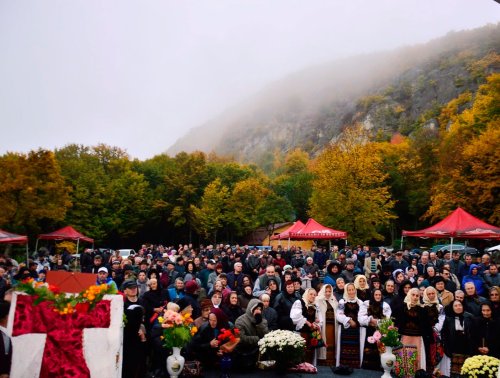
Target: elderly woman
{"type": "Point", "coordinates": [370, 313]}
{"type": "Point", "coordinates": [350, 336]}
{"type": "Point", "coordinates": [362, 288]}
{"type": "Point", "coordinates": [411, 322]}
{"type": "Point", "coordinates": [338, 291]}
{"type": "Point", "coordinates": [435, 318]}
{"type": "Point", "coordinates": [327, 305]}
{"type": "Point", "coordinates": [306, 318]}
{"type": "Point", "coordinates": [456, 336]}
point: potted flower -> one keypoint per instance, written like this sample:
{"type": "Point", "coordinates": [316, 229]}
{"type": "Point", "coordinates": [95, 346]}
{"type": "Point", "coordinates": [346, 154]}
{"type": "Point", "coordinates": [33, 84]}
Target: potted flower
{"type": "Point", "coordinates": [386, 337]}
{"type": "Point", "coordinates": [286, 348]}
{"type": "Point", "coordinates": [178, 330]}
{"type": "Point", "coordinates": [480, 367]}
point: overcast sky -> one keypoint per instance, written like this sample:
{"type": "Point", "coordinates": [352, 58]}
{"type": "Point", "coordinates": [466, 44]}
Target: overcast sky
{"type": "Point", "coordinates": [139, 74]}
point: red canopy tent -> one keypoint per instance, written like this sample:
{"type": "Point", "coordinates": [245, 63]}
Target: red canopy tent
{"type": "Point", "coordinates": [315, 230]}
{"type": "Point", "coordinates": [286, 234]}
{"type": "Point", "coordinates": [10, 238]}
{"type": "Point", "coordinates": [459, 224]}
{"type": "Point", "coordinates": [65, 233]}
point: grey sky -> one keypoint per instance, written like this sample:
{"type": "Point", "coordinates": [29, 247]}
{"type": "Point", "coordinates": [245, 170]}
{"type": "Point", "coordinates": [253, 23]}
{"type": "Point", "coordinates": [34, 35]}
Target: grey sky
{"type": "Point", "coordinates": [139, 74]}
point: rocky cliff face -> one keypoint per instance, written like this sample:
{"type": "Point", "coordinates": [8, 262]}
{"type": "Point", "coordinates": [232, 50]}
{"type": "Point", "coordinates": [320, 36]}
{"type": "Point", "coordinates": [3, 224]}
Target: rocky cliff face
{"type": "Point", "coordinates": [395, 91]}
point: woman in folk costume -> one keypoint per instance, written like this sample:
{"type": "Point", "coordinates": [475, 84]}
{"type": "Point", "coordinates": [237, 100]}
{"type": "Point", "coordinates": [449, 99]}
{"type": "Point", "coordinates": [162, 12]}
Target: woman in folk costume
{"type": "Point", "coordinates": [435, 319]}
{"type": "Point", "coordinates": [456, 336]}
{"type": "Point", "coordinates": [306, 318]}
{"type": "Point", "coordinates": [411, 322]}
{"type": "Point", "coordinates": [350, 336]}
{"type": "Point", "coordinates": [370, 313]}
{"type": "Point", "coordinates": [327, 306]}
{"type": "Point", "coordinates": [362, 288]}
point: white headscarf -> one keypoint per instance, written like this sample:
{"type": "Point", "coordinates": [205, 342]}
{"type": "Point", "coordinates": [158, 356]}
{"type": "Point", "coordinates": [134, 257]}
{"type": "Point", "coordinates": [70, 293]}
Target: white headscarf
{"type": "Point", "coordinates": [346, 296]}
{"type": "Point", "coordinates": [305, 299]}
{"type": "Point", "coordinates": [427, 301]}
{"type": "Point", "coordinates": [407, 299]}
{"type": "Point", "coordinates": [358, 278]}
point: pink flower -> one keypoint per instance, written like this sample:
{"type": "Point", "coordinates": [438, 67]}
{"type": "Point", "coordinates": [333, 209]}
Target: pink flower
{"type": "Point", "coordinates": [377, 335]}
{"type": "Point", "coordinates": [371, 340]}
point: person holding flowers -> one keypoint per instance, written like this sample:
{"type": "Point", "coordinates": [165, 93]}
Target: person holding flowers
{"type": "Point", "coordinates": [204, 346]}
{"type": "Point", "coordinates": [370, 314]}
{"type": "Point", "coordinates": [308, 321]}
{"type": "Point", "coordinates": [327, 306]}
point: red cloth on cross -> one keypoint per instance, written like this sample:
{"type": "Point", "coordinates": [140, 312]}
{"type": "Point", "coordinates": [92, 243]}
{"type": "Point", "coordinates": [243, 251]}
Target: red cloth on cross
{"type": "Point", "coordinates": [63, 353]}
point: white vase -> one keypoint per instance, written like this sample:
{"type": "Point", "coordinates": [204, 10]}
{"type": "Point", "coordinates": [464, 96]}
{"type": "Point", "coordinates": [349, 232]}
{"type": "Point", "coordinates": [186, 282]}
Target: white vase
{"type": "Point", "coordinates": [175, 363]}
{"type": "Point", "coordinates": [387, 360]}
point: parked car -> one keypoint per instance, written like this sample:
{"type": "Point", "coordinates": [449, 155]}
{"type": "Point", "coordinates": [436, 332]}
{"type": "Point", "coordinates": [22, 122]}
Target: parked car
{"type": "Point", "coordinates": [438, 247]}
{"type": "Point", "coordinates": [459, 247]}
{"type": "Point", "coordinates": [490, 250]}
{"type": "Point", "coordinates": [126, 252]}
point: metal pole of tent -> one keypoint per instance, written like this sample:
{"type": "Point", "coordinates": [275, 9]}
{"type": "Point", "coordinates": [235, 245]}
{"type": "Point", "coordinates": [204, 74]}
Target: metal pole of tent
{"type": "Point", "coordinates": [289, 243]}
{"type": "Point", "coordinates": [451, 246]}
{"type": "Point", "coordinates": [77, 244]}
{"type": "Point", "coordinates": [402, 237]}
{"type": "Point", "coordinates": [27, 254]}
{"type": "Point", "coordinates": [36, 245]}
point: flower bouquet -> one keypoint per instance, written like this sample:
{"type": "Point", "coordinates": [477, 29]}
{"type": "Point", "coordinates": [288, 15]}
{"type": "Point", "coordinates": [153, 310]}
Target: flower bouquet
{"type": "Point", "coordinates": [386, 335]}
{"type": "Point", "coordinates": [228, 339]}
{"type": "Point", "coordinates": [286, 348]}
{"type": "Point", "coordinates": [480, 367]}
{"type": "Point", "coordinates": [177, 329]}
{"type": "Point", "coordinates": [64, 303]}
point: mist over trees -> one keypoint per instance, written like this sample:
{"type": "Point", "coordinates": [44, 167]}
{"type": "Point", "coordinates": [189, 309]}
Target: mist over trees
{"type": "Point", "coordinates": [360, 184]}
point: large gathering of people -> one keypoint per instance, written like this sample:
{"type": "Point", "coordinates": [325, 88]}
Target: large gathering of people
{"type": "Point", "coordinates": [445, 306]}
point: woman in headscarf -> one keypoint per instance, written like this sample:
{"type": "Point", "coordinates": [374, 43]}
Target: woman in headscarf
{"type": "Point", "coordinates": [204, 344]}
{"type": "Point", "coordinates": [485, 333]}
{"type": "Point", "coordinates": [333, 271]}
{"type": "Point", "coordinates": [231, 307]}
{"type": "Point", "coordinates": [410, 320]}
{"type": "Point", "coordinates": [435, 318]}
{"type": "Point", "coordinates": [389, 291]}
{"type": "Point", "coordinates": [350, 337]}
{"type": "Point", "coordinates": [154, 300]}
{"type": "Point", "coordinates": [494, 296]}
{"type": "Point", "coordinates": [327, 305]}
{"type": "Point", "coordinates": [338, 291]}
{"type": "Point", "coordinates": [362, 288]}
{"type": "Point", "coordinates": [306, 318]}
{"type": "Point", "coordinates": [246, 296]}
{"type": "Point", "coordinates": [272, 283]}
{"type": "Point", "coordinates": [370, 313]}
{"type": "Point", "coordinates": [456, 336]}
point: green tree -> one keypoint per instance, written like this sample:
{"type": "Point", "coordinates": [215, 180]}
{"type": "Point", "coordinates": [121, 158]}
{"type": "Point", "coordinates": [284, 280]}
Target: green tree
{"type": "Point", "coordinates": [349, 191]}
{"type": "Point", "coordinates": [247, 196]}
{"type": "Point", "coordinates": [209, 218]}
{"type": "Point", "coordinates": [294, 182]}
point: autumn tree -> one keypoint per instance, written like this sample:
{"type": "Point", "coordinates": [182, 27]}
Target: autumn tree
{"type": "Point", "coordinates": [247, 196]}
{"type": "Point", "coordinates": [209, 218]}
{"type": "Point", "coordinates": [467, 164]}
{"type": "Point", "coordinates": [349, 190]}
{"type": "Point", "coordinates": [33, 194]}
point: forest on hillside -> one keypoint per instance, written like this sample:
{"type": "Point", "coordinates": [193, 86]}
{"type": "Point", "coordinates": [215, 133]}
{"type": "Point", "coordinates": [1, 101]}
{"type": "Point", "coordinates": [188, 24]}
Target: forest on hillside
{"type": "Point", "coordinates": [363, 182]}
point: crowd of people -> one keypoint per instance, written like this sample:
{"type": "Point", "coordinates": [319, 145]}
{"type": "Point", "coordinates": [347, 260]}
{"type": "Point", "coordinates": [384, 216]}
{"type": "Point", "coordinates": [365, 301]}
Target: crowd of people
{"type": "Point", "coordinates": [446, 307]}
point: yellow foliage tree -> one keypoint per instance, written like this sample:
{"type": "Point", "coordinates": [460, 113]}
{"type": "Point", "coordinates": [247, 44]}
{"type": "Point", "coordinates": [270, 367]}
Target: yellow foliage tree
{"type": "Point", "coordinates": [349, 191]}
{"type": "Point", "coordinates": [468, 163]}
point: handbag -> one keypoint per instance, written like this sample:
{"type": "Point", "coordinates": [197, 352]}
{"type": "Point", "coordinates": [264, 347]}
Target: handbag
{"type": "Point", "coordinates": [192, 369]}
{"type": "Point", "coordinates": [315, 339]}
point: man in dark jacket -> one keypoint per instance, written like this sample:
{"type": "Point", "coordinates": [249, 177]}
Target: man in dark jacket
{"type": "Point", "coordinates": [253, 327]}
{"type": "Point", "coordinates": [283, 304]}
